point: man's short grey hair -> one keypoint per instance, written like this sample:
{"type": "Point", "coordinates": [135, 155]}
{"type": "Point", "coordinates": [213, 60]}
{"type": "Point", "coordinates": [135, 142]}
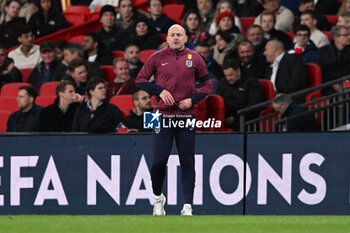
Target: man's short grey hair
{"type": "Point", "coordinates": [277, 43]}
{"type": "Point", "coordinates": [282, 98]}
{"type": "Point", "coordinates": [335, 31]}
{"type": "Point", "coordinates": [255, 26]}
{"type": "Point", "coordinates": [75, 47]}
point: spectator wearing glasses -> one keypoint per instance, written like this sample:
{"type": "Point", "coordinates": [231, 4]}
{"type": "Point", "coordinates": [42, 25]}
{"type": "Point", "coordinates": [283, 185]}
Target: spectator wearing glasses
{"type": "Point", "coordinates": [8, 72]}
{"type": "Point", "coordinates": [304, 45]}
{"type": "Point", "coordinates": [334, 59]}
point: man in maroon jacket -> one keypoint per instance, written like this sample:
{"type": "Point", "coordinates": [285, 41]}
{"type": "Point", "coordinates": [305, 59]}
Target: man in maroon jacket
{"type": "Point", "coordinates": [175, 70]}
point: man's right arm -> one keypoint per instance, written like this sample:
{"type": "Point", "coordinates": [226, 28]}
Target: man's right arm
{"type": "Point", "coordinates": [142, 80]}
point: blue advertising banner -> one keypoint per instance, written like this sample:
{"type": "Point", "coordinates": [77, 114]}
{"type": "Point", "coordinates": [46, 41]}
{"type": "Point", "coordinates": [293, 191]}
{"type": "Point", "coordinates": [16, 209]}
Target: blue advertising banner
{"type": "Point", "coordinates": [110, 174]}
{"type": "Point", "coordinates": [298, 173]}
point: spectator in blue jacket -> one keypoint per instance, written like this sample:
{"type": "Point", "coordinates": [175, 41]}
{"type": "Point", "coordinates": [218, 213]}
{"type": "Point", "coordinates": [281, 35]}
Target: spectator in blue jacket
{"type": "Point", "coordinates": [160, 22]}
{"type": "Point", "coordinates": [304, 45]}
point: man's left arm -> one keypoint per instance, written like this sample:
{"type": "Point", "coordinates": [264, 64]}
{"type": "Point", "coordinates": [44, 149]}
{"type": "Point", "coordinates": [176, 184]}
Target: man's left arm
{"type": "Point", "coordinates": [205, 85]}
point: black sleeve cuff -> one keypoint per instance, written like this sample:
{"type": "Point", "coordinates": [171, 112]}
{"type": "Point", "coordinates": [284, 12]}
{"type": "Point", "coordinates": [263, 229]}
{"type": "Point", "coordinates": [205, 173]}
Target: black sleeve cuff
{"type": "Point", "coordinates": [150, 88]}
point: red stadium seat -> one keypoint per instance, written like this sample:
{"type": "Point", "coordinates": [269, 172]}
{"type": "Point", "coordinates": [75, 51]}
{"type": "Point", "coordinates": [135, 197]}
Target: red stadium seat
{"type": "Point", "coordinates": [315, 78]}
{"type": "Point", "coordinates": [267, 88]}
{"type": "Point", "coordinates": [141, 4]}
{"type": "Point", "coordinates": [332, 19]}
{"type": "Point", "coordinates": [174, 12]}
{"type": "Point", "coordinates": [75, 18]}
{"type": "Point", "coordinates": [291, 35]}
{"type": "Point", "coordinates": [123, 102]}
{"type": "Point", "coordinates": [118, 54]}
{"type": "Point", "coordinates": [4, 115]}
{"type": "Point", "coordinates": [83, 10]}
{"type": "Point", "coordinates": [25, 73]}
{"type": "Point", "coordinates": [11, 89]}
{"type": "Point", "coordinates": [77, 39]}
{"type": "Point", "coordinates": [45, 100]}
{"type": "Point", "coordinates": [49, 88]}
{"type": "Point", "coordinates": [145, 54]}
{"type": "Point", "coordinates": [163, 37]}
{"type": "Point", "coordinates": [246, 22]}
{"type": "Point", "coordinates": [94, 16]}
{"type": "Point", "coordinates": [216, 110]}
{"type": "Point", "coordinates": [201, 113]}
{"type": "Point", "coordinates": [8, 103]}
{"type": "Point", "coordinates": [328, 34]}
{"type": "Point", "coordinates": [268, 124]}
{"type": "Point", "coordinates": [108, 73]}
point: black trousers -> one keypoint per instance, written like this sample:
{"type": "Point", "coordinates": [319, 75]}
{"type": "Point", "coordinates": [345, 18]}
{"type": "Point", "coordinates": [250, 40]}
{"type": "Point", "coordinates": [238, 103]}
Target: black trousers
{"type": "Point", "coordinates": [162, 143]}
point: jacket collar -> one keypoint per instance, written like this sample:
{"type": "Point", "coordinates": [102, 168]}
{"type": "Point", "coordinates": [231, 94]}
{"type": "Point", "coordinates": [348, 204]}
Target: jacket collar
{"type": "Point", "coordinates": [178, 52]}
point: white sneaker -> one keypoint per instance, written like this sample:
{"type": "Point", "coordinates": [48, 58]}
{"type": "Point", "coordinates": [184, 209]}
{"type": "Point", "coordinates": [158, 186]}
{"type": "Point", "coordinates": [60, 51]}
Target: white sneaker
{"type": "Point", "coordinates": [186, 210]}
{"type": "Point", "coordinates": [158, 206]}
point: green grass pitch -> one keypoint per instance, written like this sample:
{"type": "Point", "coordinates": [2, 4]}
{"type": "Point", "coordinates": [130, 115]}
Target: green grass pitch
{"type": "Point", "coordinates": [184, 224]}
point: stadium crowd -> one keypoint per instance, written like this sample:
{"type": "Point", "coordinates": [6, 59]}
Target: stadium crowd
{"type": "Point", "coordinates": [277, 46]}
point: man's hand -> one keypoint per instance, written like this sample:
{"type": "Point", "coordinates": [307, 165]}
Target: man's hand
{"type": "Point", "coordinates": [78, 98]}
{"type": "Point", "coordinates": [185, 104]}
{"type": "Point", "coordinates": [167, 97]}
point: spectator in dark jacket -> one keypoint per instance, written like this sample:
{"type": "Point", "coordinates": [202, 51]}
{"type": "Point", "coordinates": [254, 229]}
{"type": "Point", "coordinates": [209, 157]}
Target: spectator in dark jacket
{"type": "Point", "coordinates": [58, 117]}
{"type": "Point", "coordinates": [322, 22]}
{"type": "Point", "coordinates": [94, 50]}
{"type": "Point", "coordinates": [49, 69]}
{"type": "Point", "coordinates": [284, 105]}
{"type": "Point", "coordinates": [144, 36]}
{"type": "Point", "coordinates": [268, 20]}
{"type": "Point", "coordinates": [77, 75]}
{"type": "Point", "coordinates": [132, 55]}
{"type": "Point", "coordinates": [251, 65]}
{"type": "Point", "coordinates": [122, 84]}
{"type": "Point", "coordinates": [8, 72]}
{"type": "Point", "coordinates": [134, 122]}
{"type": "Point", "coordinates": [11, 24]}
{"type": "Point", "coordinates": [287, 72]}
{"type": "Point", "coordinates": [304, 45]}
{"type": "Point", "coordinates": [76, 51]}
{"type": "Point", "coordinates": [214, 70]}
{"type": "Point", "coordinates": [255, 34]}
{"type": "Point", "coordinates": [113, 36]}
{"type": "Point", "coordinates": [47, 20]}
{"type": "Point", "coordinates": [334, 59]}
{"type": "Point", "coordinates": [160, 22]}
{"type": "Point", "coordinates": [96, 115]}
{"type": "Point", "coordinates": [27, 118]}
{"type": "Point", "coordinates": [238, 93]}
